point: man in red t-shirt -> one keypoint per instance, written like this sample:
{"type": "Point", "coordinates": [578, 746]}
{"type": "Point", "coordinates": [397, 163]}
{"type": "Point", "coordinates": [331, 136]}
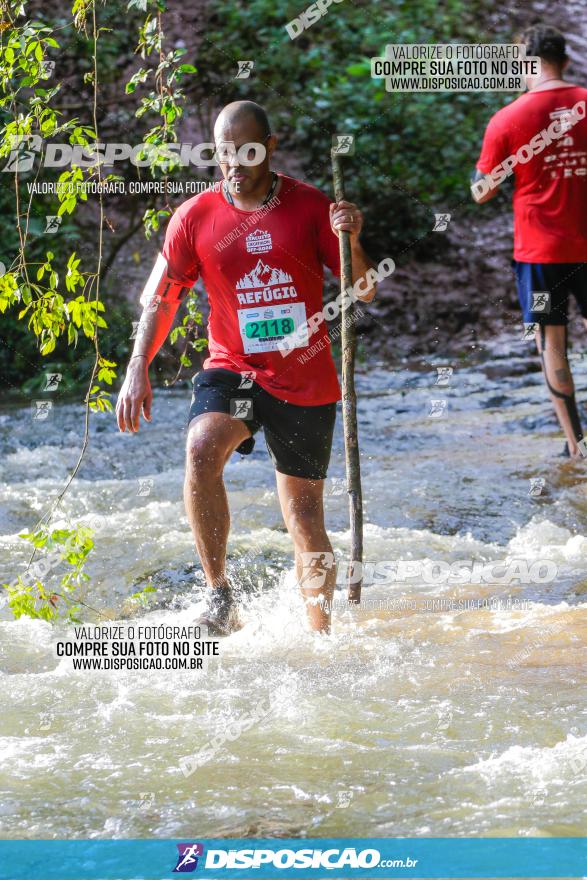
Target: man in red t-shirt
{"type": "Point", "coordinates": [541, 138]}
{"type": "Point", "coordinates": [259, 242]}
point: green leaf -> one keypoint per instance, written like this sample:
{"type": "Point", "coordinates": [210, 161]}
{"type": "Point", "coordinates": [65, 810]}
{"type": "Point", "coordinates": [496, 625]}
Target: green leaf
{"type": "Point", "coordinates": [48, 347]}
{"type": "Point", "coordinates": [360, 69]}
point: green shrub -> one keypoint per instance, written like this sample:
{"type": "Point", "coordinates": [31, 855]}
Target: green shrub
{"type": "Point", "coordinates": [414, 152]}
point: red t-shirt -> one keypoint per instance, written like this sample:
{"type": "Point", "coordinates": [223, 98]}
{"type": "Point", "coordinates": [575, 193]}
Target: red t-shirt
{"type": "Point", "coordinates": [263, 273]}
{"type": "Point", "coordinates": [550, 196]}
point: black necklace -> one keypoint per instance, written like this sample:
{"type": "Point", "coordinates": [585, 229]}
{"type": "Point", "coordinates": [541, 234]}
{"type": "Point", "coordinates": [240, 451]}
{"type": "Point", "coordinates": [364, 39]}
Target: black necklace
{"type": "Point", "coordinates": [267, 198]}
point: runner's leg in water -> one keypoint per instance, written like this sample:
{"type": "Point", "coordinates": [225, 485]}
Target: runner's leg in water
{"type": "Point", "coordinates": [302, 506]}
{"type": "Point", "coordinates": [212, 438]}
{"type": "Point", "coordinates": [551, 341]}
{"type": "Point", "coordinates": [544, 290]}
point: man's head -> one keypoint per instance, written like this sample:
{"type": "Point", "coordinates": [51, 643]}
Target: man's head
{"type": "Point", "coordinates": [548, 44]}
{"type": "Point", "coordinates": [244, 122]}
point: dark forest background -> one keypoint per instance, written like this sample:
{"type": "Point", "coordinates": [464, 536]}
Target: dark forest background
{"type": "Point", "coordinates": [414, 155]}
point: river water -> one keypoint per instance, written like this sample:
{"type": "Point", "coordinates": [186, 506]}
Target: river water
{"type": "Point", "coordinates": [417, 716]}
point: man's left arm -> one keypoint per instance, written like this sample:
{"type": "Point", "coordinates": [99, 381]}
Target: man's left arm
{"type": "Point", "coordinates": [346, 217]}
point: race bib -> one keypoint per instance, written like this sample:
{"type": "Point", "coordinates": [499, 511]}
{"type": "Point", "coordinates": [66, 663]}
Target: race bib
{"type": "Point", "coordinates": [263, 328]}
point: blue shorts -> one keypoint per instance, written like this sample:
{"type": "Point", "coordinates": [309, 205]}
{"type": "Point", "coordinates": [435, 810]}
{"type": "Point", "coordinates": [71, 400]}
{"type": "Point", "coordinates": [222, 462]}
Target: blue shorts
{"type": "Point", "coordinates": [544, 290]}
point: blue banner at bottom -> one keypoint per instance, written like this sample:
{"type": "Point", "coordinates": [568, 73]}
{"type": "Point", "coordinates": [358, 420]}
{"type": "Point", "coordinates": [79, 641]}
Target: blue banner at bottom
{"type": "Point", "coordinates": [379, 857]}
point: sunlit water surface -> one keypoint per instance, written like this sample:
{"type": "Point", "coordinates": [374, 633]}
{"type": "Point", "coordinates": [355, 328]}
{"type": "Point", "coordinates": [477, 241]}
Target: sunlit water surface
{"type": "Point", "coordinates": [405, 721]}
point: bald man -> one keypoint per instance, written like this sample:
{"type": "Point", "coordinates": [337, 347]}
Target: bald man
{"type": "Point", "coordinates": [260, 243]}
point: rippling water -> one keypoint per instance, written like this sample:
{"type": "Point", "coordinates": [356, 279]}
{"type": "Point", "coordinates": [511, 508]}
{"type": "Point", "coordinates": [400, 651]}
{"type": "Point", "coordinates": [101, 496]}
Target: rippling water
{"type": "Point", "coordinates": [408, 720]}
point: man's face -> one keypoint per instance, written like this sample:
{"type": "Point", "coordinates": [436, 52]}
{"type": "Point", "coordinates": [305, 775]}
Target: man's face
{"type": "Point", "coordinates": [242, 179]}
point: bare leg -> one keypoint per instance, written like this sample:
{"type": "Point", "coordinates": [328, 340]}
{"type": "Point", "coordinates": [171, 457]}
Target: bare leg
{"type": "Point", "coordinates": [212, 438]}
{"type": "Point", "coordinates": [552, 346]}
{"type": "Point", "coordinates": [303, 511]}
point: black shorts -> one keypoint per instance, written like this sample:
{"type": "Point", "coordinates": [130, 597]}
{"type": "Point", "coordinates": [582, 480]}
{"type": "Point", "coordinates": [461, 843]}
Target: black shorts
{"type": "Point", "coordinates": [299, 438]}
{"type": "Point", "coordinates": [558, 281]}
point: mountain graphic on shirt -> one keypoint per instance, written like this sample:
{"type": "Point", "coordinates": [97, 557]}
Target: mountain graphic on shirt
{"type": "Point", "coordinates": [263, 276]}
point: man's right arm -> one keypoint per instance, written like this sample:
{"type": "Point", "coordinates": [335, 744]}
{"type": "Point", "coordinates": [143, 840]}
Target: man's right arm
{"type": "Point", "coordinates": [160, 300]}
{"type": "Point", "coordinates": [136, 394]}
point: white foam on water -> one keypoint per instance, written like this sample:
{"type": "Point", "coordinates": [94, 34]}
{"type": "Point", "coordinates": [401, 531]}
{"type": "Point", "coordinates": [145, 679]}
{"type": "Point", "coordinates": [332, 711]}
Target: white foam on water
{"type": "Point", "coordinates": [542, 539]}
{"type": "Point", "coordinates": [538, 763]}
{"type": "Point", "coordinates": [421, 714]}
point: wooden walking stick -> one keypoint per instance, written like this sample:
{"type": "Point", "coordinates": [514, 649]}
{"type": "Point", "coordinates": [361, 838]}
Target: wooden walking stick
{"type": "Point", "coordinates": [349, 401]}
